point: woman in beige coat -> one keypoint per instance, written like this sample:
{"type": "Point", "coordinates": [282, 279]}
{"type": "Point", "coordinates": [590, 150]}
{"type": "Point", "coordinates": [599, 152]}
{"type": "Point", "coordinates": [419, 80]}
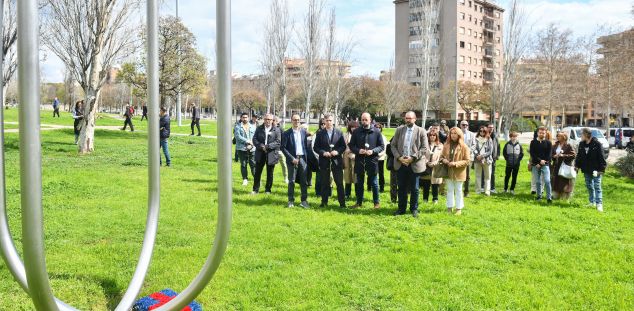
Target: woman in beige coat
{"type": "Point", "coordinates": [348, 160]}
{"type": "Point", "coordinates": [428, 178]}
{"type": "Point", "coordinates": [456, 155]}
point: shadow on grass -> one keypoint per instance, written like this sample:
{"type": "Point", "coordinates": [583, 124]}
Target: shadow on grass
{"type": "Point", "coordinates": [112, 291]}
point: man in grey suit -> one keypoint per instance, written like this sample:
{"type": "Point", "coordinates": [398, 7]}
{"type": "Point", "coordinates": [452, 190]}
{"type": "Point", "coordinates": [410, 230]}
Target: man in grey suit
{"type": "Point", "coordinates": [267, 141]}
{"type": "Point", "coordinates": [409, 147]}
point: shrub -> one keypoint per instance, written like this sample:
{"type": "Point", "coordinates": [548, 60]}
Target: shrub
{"type": "Point", "coordinates": [625, 165]}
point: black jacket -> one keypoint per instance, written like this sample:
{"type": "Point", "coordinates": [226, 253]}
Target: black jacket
{"type": "Point", "coordinates": [272, 146]}
{"type": "Point", "coordinates": [540, 151]}
{"type": "Point", "coordinates": [322, 144]}
{"type": "Point", "coordinates": [510, 153]}
{"type": "Point", "coordinates": [164, 125]}
{"type": "Point", "coordinates": [373, 138]}
{"type": "Point", "coordinates": [590, 157]}
{"type": "Point", "coordinates": [195, 113]}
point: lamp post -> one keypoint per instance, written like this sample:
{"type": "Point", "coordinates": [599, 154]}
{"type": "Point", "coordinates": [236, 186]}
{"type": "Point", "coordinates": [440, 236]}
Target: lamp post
{"type": "Point", "coordinates": [179, 118]}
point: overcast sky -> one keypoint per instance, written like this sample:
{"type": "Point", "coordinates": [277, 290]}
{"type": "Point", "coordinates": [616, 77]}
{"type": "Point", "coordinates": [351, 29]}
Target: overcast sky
{"type": "Point", "coordinates": [369, 22]}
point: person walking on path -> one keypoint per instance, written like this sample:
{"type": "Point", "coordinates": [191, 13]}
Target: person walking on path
{"type": "Point", "coordinates": [513, 154]}
{"type": "Point", "coordinates": [267, 141]}
{"type": "Point", "coordinates": [129, 112]}
{"type": "Point", "coordinates": [56, 107]}
{"type": "Point", "coordinates": [366, 143]}
{"type": "Point", "coordinates": [482, 154]}
{"type": "Point", "coordinates": [164, 133]}
{"type": "Point", "coordinates": [469, 137]}
{"type": "Point", "coordinates": [144, 112]}
{"type": "Point", "coordinates": [195, 119]}
{"type": "Point", "coordinates": [330, 145]}
{"type": "Point", "coordinates": [591, 162]}
{"type": "Point", "coordinates": [430, 178]}
{"type": "Point", "coordinates": [244, 132]}
{"type": "Point", "coordinates": [562, 152]}
{"type": "Point", "coordinates": [540, 150]}
{"type": "Point", "coordinates": [78, 116]}
{"type": "Point", "coordinates": [295, 148]}
{"type": "Point", "coordinates": [409, 147]}
{"type": "Point", "coordinates": [349, 159]}
{"type": "Point", "coordinates": [456, 156]}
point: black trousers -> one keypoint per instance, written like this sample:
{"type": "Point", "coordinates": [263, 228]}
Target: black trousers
{"type": "Point", "coordinates": [144, 116]}
{"type": "Point", "coordinates": [246, 159]}
{"type": "Point", "coordinates": [126, 122]}
{"type": "Point", "coordinates": [381, 176]}
{"type": "Point", "coordinates": [197, 123]}
{"type": "Point", "coordinates": [465, 189]}
{"type": "Point", "coordinates": [259, 167]}
{"type": "Point", "coordinates": [393, 187]}
{"type": "Point", "coordinates": [511, 171]}
{"type": "Point", "coordinates": [426, 183]}
{"type": "Point", "coordinates": [492, 175]}
{"type": "Point", "coordinates": [56, 112]}
{"type": "Point", "coordinates": [337, 175]}
{"type": "Point", "coordinates": [294, 173]}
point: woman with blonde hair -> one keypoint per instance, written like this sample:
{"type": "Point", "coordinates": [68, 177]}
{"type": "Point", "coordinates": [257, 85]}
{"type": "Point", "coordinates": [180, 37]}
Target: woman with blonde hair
{"type": "Point", "coordinates": [562, 152]}
{"type": "Point", "coordinates": [456, 156]}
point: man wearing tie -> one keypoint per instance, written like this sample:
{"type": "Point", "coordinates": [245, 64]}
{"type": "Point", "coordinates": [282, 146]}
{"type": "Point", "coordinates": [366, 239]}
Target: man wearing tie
{"type": "Point", "coordinates": [330, 145]}
{"type": "Point", "coordinates": [409, 147]}
{"type": "Point", "coordinates": [267, 141]}
{"type": "Point", "coordinates": [366, 143]}
{"type": "Point", "coordinates": [294, 147]}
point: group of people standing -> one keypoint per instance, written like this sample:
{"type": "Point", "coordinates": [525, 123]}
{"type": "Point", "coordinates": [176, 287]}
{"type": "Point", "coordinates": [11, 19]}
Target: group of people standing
{"type": "Point", "coordinates": [438, 160]}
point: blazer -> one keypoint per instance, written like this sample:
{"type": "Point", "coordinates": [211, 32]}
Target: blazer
{"type": "Point", "coordinates": [289, 145]}
{"type": "Point", "coordinates": [460, 158]}
{"type": "Point", "coordinates": [322, 144]}
{"type": "Point", "coordinates": [373, 138]}
{"type": "Point", "coordinates": [420, 145]}
{"type": "Point", "coordinates": [486, 151]}
{"type": "Point", "coordinates": [272, 146]}
{"type": "Point", "coordinates": [242, 136]}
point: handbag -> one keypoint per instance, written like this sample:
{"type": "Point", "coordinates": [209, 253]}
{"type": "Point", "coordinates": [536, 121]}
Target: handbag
{"type": "Point", "coordinates": [567, 171]}
{"type": "Point", "coordinates": [441, 171]}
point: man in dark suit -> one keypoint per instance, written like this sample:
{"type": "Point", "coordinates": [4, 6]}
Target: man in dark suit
{"type": "Point", "coordinates": [195, 119]}
{"type": "Point", "coordinates": [330, 145]}
{"type": "Point", "coordinates": [366, 143]}
{"type": "Point", "coordinates": [267, 140]}
{"type": "Point", "coordinates": [295, 149]}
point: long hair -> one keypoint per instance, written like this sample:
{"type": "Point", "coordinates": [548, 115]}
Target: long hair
{"type": "Point", "coordinates": [351, 125]}
{"type": "Point", "coordinates": [486, 132]}
{"type": "Point", "coordinates": [435, 141]}
{"type": "Point", "coordinates": [458, 131]}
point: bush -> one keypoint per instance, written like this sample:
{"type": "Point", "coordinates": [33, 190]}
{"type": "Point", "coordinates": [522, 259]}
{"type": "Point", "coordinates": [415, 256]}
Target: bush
{"type": "Point", "coordinates": [625, 165]}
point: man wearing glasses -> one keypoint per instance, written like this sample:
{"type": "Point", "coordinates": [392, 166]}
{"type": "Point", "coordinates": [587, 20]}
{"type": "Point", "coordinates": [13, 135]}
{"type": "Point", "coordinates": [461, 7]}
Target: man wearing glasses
{"type": "Point", "coordinates": [468, 140]}
{"type": "Point", "coordinates": [409, 147]}
{"type": "Point", "coordinates": [267, 141]}
{"type": "Point", "coordinates": [330, 145]}
{"type": "Point", "coordinates": [295, 149]}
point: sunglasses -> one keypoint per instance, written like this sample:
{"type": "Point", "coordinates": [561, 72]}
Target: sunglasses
{"type": "Point", "coordinates": [464, 124]}
{"type": "Point", "coordinates": [295, 119]}
{"type": "Point", "coordinates": [268, 119]}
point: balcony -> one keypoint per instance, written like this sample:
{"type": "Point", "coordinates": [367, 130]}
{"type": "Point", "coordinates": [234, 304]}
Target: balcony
{"type": "Point", "coordinates": [489, 15]}
{"type": "Point", "coordinates": [488, 53]}
{"type": "Point", "coordinates": [488, 77]}
{"type": "Point", "coordinates": [488, 67]}
{"type": "Point", "coordinates": [489, 27]}
{"type": "Point", "coordinates": [488, 40]}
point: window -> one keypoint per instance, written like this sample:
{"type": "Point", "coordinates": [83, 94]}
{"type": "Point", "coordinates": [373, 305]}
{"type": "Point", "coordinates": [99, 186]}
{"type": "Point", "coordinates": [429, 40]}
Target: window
{"type": "Point", "coordinates": [497, 52]}
{"type": "Point", "coordinates": [469, 48]}
{"type": "Point", "coordinates": [499, 27]}
{"type": "Point", "coordinates": [469, 32]}
{"type": "Point", "coordinates": [462, 59]}
{"type": "Point", "coordinates": [475, 21]}
{"type": "Point", "coordinates": [461, 31]}
{"type": "Point", "coordinates": [414, 17]}
{"type": "Point", "coordinates": [462, 73]}
{"type": "Point", "coordinates": [475, 7]}
{"type": "Point", "coordinates": [469, 17]}
{"type": "Point", "coordinates": [469, 74]}
{"type": "Point", "coordinates": [475, 34]}
{"type": "Point", "coordinates": [419, 72]}
{"type": "Point", "coordinates": [497, 39]}
{"type": "Point", "coordinates": [462, 44]}
{"type": "Point", "coordinates": [462, 2]}
{"type": "Point", "coordinates": [469, 60]}
{"type": "Point", "coordinates": [462, 15]}
{"type": "Point", "coordinates": [469, 3]}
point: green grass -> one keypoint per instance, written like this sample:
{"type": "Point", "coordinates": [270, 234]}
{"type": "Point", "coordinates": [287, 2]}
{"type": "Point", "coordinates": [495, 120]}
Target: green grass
{"type": "Point", "coordinates": [502, 253]}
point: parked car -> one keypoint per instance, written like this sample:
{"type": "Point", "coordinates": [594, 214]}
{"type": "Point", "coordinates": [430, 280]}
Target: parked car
{"type": "Point", "coordinates": [574, 138]}
{"type": "Point", "coordinates": [622, 136]}
{"type": "Point", "coordinates": [612, 139]}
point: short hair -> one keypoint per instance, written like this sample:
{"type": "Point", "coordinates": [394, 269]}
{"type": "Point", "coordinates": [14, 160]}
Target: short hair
{"type": "Point", "coordinates": [327, 115]}
{"type": "Point", "coordinates": [435, 124]}
{"type": "Point", "coordinates": [352, 124]}
{"type": "Point", "coordinates": [542, 128]}
{"type": "Point", "coordinates": [244, 114]}
{"type": "Point", "coordinates": [296, 114]}
{"type": "Point", "coordinates": [163, 109]}
{"type": "Point", "coordinates": [586, 131]}
{"type": "Point", "coordinates": [514, 134]}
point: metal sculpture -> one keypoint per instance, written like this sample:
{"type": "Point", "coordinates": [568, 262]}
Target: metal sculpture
{"type": "Point", "coordinates": [32, 274]}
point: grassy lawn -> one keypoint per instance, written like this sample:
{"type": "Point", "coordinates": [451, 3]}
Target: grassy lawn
{"type": "Point", "coordinates": [502, 253]}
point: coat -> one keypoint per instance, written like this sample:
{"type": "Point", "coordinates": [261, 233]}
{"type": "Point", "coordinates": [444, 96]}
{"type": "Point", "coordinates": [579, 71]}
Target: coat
{"type": "Point", "coordinates": [461, 158]}
{"type": "Point", "coordinates": [242, 136]}
{"type": "Point", "coordinates": [272, 147]}
{"type": "Point", "coordinates": [590, 157]}
{"type": "Point", "coordinates": [289, 145]}
{"type": "Point", "coordinates": [485, 150]}
{"type": "Point", "coordinates": [433, 160]}
{"type": "Point", "coordinates": [348, 161]}
{"type": "Point", "coordinates": [420, 145]}
{"type": "Point", "coordinates": [372, 137]}
{"type": "Point", "coordinates": [322, 145]}
{"type": "Point", "coordinates": [560, 184]}
{"type": "Point", "coordinates": [513, 154]}
{"type": "Point", "coordinates": [164, 127]}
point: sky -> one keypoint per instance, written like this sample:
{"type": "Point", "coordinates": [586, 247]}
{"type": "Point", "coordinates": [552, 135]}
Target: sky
{"type": "Point", "coordinates": [370, 24]}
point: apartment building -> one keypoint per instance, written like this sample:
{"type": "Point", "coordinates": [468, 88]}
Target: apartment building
{"type": "Point", "coordinates": [467, 43]}
{"type": "Point", "coordinates": [295, 68]}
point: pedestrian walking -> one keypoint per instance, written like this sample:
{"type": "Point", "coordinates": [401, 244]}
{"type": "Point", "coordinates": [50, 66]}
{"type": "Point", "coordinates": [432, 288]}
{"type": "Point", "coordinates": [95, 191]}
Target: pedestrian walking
{"type": "Point", "coordinates": [513, 154]}
{"type": "Point", "coordinates": [366, 143]}
{"type": "Point", "coordinates": [330, 146]}
{"type": "Point", "coordinates": [540, 150]}
{"type": "Point", "coordinates": [164, 134]}
{"type": "Point", "coordinates": [295, 148]}
{"type": "Point", "coordinates": [195, 119]}
{"type": "Point", "coordinates": [267, 141]}
{"type": "Point", "coordinates": [128, 114]}
{"type": "Point", "coordinates": [456, 156]}
{"type": "Point", "coordinates": [591, 162]}
{"type": "Point", "coordinates": [243, 133]}
{"type": "Point", "coordinates": [562, 154]}
{"type": "Point", "coordinates": [144, 112]}
{"type": "Point", "coordinates": [56, 107]}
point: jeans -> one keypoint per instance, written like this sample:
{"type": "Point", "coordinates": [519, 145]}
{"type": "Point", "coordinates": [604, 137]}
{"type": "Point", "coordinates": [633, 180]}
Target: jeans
{"type": "Point", "coordinates": [511, 172]}
{"type": "Point", "coordinates": [246, 158]}
{"type": "Point", "coordinates": [543, 172]}
{"type": "Point", "coordinates": [594, 188]}
{"type": "Point", "coordinates": [166, 152]}
{"type": "Point", "coordinates": [426, 184]}
{"type": "Point", "coordinates": [454, 194]}
{"type": "Point", "coordinates": [407, 182]}
{"type": "Point", "coordinates": [293, 173]}
{"type": "Point", "coordinates": [359, 190]}
{"type": "Point", "coordinates": [483, 181]}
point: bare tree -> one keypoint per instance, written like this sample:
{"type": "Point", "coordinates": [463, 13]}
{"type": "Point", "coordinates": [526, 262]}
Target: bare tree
{"type": "Point", "coordinates": [9, 36]}
{"type": "Point", "coordinates": [395, 92]}
{"type": "Point", "coordinates": [426, 30]}
{"type": "Point", "coordinates": [514, 86]}
{"type": "Point", "coordinates": [281, 25]}
{"type": "Point", "coordinates": [331, 42]}
{"type": "Point", "coordinates": [267, 62]}
{"type": "Point", "coordinates": [342, 83]}
{"type": "Point", "coordinates": [309, 45]}
{"type": "Point", "coordinates": [89, 36]}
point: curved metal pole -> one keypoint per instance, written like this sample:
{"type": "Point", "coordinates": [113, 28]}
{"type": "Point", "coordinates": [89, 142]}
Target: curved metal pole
{"type": "Point", "coordinates": [224, 125]}
{"type": "Point", "coordinates": [31, 157]}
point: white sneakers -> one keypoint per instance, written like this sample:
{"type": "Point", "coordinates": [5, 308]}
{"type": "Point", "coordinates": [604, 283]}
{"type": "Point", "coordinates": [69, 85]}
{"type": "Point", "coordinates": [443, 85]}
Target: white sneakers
{"type": "Point", "coordinates": [245, 182]}
{"type": "Point", "coordinates": [286, 181]}
{"type": "Point", "coordinates": [600, 207]}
